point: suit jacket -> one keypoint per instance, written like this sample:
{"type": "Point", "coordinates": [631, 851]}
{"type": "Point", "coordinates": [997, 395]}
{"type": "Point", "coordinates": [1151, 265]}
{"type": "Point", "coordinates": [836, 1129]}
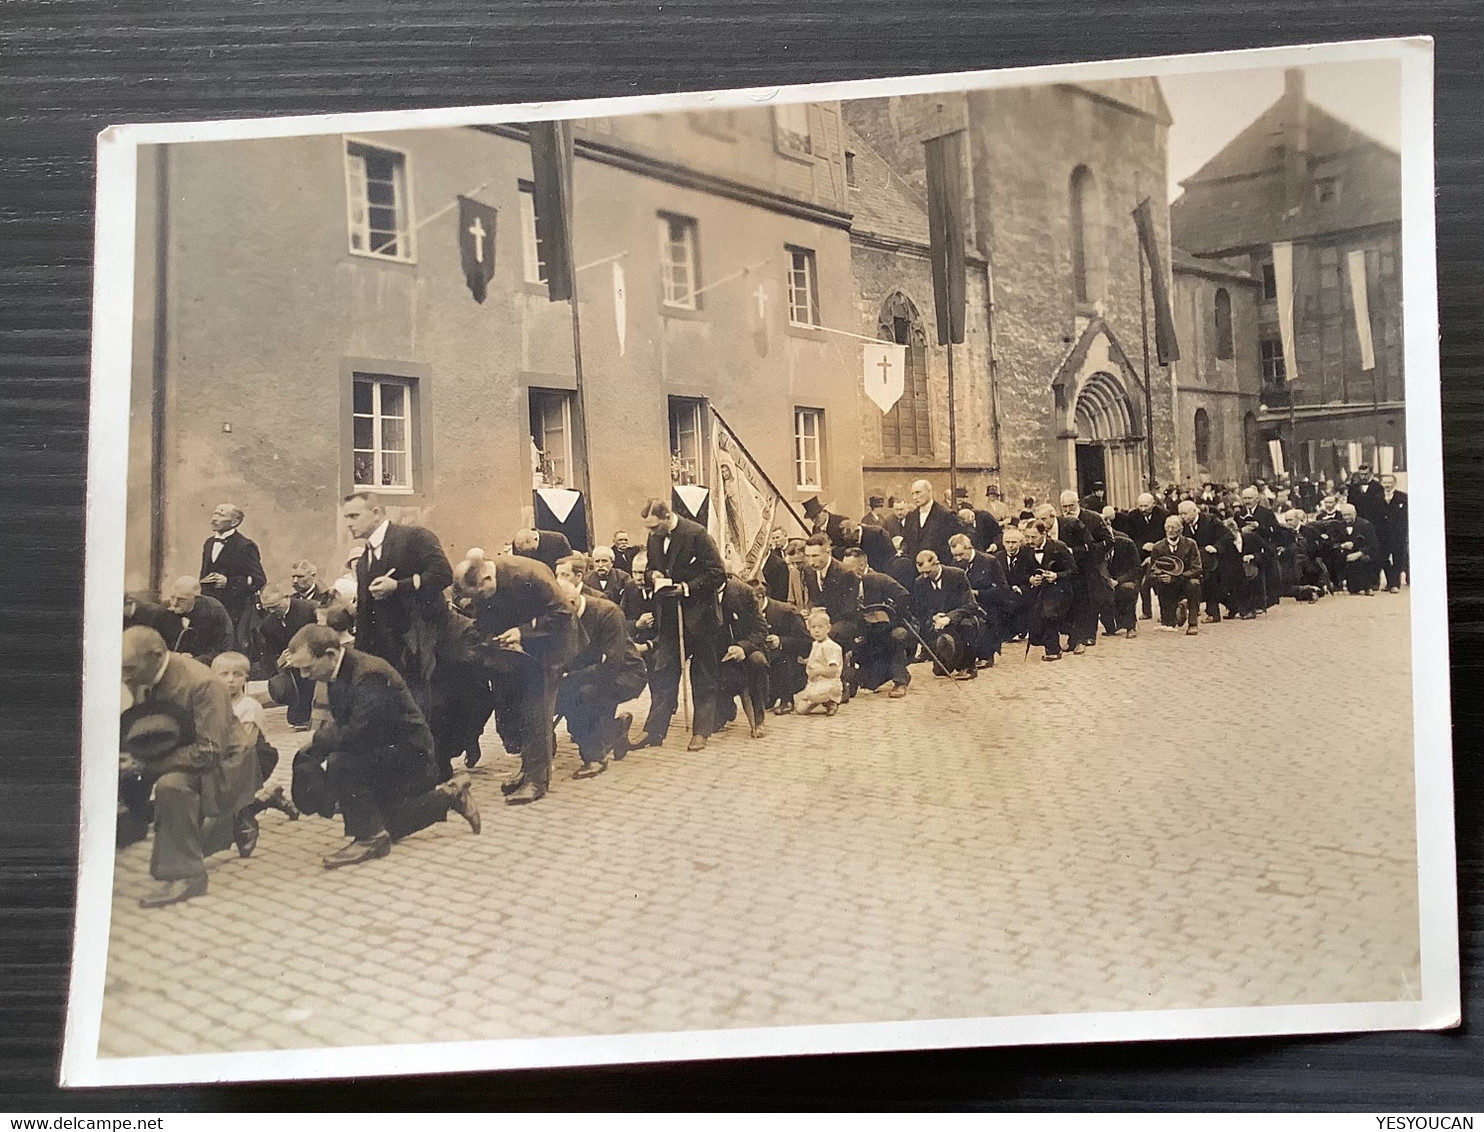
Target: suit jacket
{"type": "Point", "coordinates": [1191, 556]}
{"type": "Point", "coordinates": [316, 597]}
{"type": "Point", "coordinates": [941, 525]}
{"type": "Point", "coordinates": [609, 658]}
{"type": "Point", "coordinates": [528, 598]}
{"type": "Point", "coordinates": [1230, 570]}
{"type": "Point", "coordinates": [637, 601]}
{"type": "Point", "coordinates": [1266, 520]}
{"type": "Point", "coordinates": [694, 561]}
{"type": "Point", "coordinates": [775, 575]}
{"type": "Point", "coordinates": [1051, 599]}
{"type": "Point", "coordinates": [951, 595]}
{"type": "Point", "coordinates": [614, 587]}
{"type": "Point", "coordinates": [892, 526]}
{"type": "Point", "coordinates": [274, 632]}
{"type": "Point", "coordinates": [205, 631]}
{"type": "Point", "coordinates": [837, 596]}
{"type": "Point", "coordinates": [551, 547]}
{"type": "Point", "coordinates": [371, 709]}
{"type": "Point", "coordinates": [876, 588]}
{"type": "Point", "coordinates": [985, 530]}
{"type": "Point", "coordinates": [389, 627]}
{"type": "Point", "coordinates": [1205, 532]}
{"type": "Point", "coordinates": [1361, 534]}
{"type": "Point", "coordinates": [987, 579]}
{"type": "Point", "coordinates": [786, 623]}
{"type": "Point", "coordinates": [624, 559]}
{"type": "Point", "coordinates": [1125, 563]}
{"type": "Point", "coordinates": [240, 561]}
{"type": "Point", "coordinates": [1395, 518]}
{"type": "Point", "coordinates": [742, 622]}
{"type": "Point", "coordinates": [875, 542]}
{"type": "Point", "coordinates": [1369, 501]}
{"type": "Point", "coordinates": [1142, 528]}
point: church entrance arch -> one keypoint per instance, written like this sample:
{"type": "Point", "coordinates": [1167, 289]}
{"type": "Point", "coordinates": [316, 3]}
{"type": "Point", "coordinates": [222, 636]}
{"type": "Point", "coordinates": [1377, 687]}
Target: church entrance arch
{"type": "Point", "coordinates": [1098, 427]}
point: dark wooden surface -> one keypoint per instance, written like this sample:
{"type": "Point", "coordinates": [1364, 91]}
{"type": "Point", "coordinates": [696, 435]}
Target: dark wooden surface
{"type": "Point", "coordinates": [68, 68]}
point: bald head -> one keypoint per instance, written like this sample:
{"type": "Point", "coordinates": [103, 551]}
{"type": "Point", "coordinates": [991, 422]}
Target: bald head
{"type": "Point", "coordinates": [1044, 511]}
{"type": "Point", "coordinates": [144, 654]}
{"type": "Point", "coordinates": [525, 539]}
{"type": "Point", "coordinates": [182, 595]}
{"type": "Point", "coordinates": [1188, 510]}
{"type": "Point", "coordinates": [274, 596]}
{"type": "Point", "coordinates": [922, 493]}
{"type": "Point", "coordinates": [1145, 503]}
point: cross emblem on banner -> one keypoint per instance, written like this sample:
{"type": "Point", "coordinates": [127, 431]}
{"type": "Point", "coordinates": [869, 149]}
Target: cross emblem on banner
{"type": "Point", "coordinates": [477, 230]}
{"type": "Point", "coordinates": [884, 365]}
{"type": "Point", "coordinates": [761, 295]}
{"type": "Point", "coordinates": [884, 372]}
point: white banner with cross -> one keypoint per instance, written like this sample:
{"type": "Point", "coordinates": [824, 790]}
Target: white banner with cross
{"type": "Point", "coordinates": [885, 373]}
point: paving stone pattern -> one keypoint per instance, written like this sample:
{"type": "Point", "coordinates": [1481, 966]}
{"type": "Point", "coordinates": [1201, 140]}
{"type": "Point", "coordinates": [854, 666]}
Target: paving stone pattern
{"type": "Point", "coordinates": [1141, 827]}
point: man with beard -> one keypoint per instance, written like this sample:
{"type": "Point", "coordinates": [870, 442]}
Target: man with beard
{"type": "Point", "coordinates": [606, 577]}
{"type": "Point", "coordinates": [947, 617]}
{"type": "Point", "coordinates": [1208, 534]}
{"type": "Point", "coordinates": [1176, 564]}
{"type": "Point", "coordinates": [1092, 567]}
{"type": "Point", "coordinates": [786, 643]}
{"type": "Point", "coordinates": [1356, 541]}
{"type": "Point", "coordinates": [991, 589]}
{"type": "Point", "coordinates": [606, 672]}
{"type": "Point", "coordinates": [1145, 525]}
{"type": "Point", "coordinates": [525, 631]}
{"type": "Point", "coordinates": [686, 574]}
{"type": "Point", "coordinates": [1392, 532]}
{"type": "Point", "coordinates": [1041, 573]}
{"type": "Point", "coordinates": [873, 540]}
{"type": "Point", "coordinates": [927, 526]}
{"type": "Point", "coordinates": [883, 646]}
{"type": "Point", "coordinates": [1125, 570]}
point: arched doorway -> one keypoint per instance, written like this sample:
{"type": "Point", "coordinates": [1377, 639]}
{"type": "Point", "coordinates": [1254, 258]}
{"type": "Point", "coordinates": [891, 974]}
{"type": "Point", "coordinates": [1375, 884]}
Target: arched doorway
{"type": "Point", "coordinates": [1107, 444]}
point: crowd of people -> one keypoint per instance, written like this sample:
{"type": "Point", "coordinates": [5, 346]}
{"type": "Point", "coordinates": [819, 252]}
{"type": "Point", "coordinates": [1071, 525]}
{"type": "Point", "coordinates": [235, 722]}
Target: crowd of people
{"type": "Point", "coordinates": [396, 667]}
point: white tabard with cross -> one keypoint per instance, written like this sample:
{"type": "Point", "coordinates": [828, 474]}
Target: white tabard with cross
{"type": "Point", "coordinates": [885, 371]}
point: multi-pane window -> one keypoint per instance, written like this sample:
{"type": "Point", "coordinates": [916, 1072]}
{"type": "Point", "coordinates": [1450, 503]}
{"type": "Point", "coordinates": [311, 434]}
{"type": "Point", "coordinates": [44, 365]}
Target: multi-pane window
{"type": "Point", "coordinates": [792, 126]}
{"type": "Point", "coordinates": [803, 288]}
{"type": "Point", "coordinates": [1274, 372]}
{"type": "Point", "coordinates": [551, 437]}
{"type": "Point", "coordinates": [678, 269]}
{"type": "Point", "coordinates": [685, 440]}
{"type": "Point", "coordinates": [381, 431]}
{"type": "Point", "coordinates": [808, 446]}
{"type": "Point", "coordinates": [906, 429]}
{"type": "Point", "coordinates": [378, 206]}
{"type": "Point", "coordinates": [533, 251]}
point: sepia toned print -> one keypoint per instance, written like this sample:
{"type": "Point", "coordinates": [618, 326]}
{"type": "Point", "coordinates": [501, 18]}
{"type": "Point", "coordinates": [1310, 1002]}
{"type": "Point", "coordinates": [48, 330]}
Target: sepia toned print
{"type": "Point", "coordinates": [901, 558]}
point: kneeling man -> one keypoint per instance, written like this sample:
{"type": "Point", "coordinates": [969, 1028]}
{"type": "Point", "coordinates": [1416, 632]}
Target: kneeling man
{"type": "Point", "coordinates": [376, 749]}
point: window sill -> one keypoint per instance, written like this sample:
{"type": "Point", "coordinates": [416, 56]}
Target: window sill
{"type": "Point", "coordinates": [682, 314]}
{"type": "Point", "coordinates": [810, 330]}
{"type": "Point", "coordinates": [385, 490]}
{"type": "Point", "coordinates": [359, 254]}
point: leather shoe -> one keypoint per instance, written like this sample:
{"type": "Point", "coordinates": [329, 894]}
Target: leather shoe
{"type": "Point", "coordinates": [897, 691]}
{"type": "Point", "coordinates": [246, 834]}
{"type": "Point", "coordinates": [472, 755]}
{"type": "Point", "coordinates": [646, 740]}
{"type": "Point", "coordinates": [511, 785]}
{"type": "Point", "coordinates": [591, 769]}
{"type": "Point", "coordinates": [461, 802]}
{"type": "Point", "coordinates": [1131, 634]}
{"type": "Point", "coordinates": [1078, 649]}
{"type": "Point", "coordinates": [621, 735]}
{"type": "Point", "coordinates": [358, 851]}
{"type": "Point", "coordinates": [276, 799]}
{"type": "Point", "coordinates": [173, 892]}
{"type": "Point", "coordinates": [529, 792]}
{"type": "Point", "coordinates": [697, 743]}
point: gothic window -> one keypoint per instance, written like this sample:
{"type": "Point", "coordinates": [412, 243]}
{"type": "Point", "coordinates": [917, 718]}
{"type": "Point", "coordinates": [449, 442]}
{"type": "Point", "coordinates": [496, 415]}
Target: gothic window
{"type": "Point", "coordinates": [906, 429]}
{"type": "Point", "coordinates": [1085, 221]}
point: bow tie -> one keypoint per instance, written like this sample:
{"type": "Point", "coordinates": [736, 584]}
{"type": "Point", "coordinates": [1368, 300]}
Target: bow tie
{"type": "Point", "coordinates": [221, 538]}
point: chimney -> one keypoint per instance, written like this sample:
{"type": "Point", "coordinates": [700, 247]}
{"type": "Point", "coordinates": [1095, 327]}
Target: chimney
{"type": "Point", "coordinates": [1295, 139]}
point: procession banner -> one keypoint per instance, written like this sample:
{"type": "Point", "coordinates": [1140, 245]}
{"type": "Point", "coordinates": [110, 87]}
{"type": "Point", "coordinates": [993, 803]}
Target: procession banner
{"type": "Point", "coordinates": [1283, 281]}
{"type": "Point", "coordinates": [1355, 261]}
{"type": "Point", "coordinates": [745, 504]}
{"type": "Point", "coordinates": [884, 369]}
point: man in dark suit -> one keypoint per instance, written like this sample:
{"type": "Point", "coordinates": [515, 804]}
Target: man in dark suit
{"type": "Point", "coordinates": [1206, 531]}
{"type": "Point", "coordinates": [1126, 571]}
{"type": "Point", "coordinates": [1252, 511]}
{"type": "Point", "coordinates": [947, 616]}
{"type": "Point", "coordinates": [140, 610]}
{"type": "Point", "coordinates": [1177, 563]}
{"type": "Point", "coordinates": [400, 582]}
{"type": "Point", "coordinates": [991, 592]}
{"type": "Point", "coordinates": [1041, 572]}
{"type": "Point", "coordinates": [774, 571]}
{"type": "Point", "coordinates": [304, 577]}
{"type": "Point", "coordinates": [1392, 532]}
{"type": "Point", "coordinates": [892, 523]}
{"type": "Point", "coordinates": [1356, 541]}
{"type": "Point", "coordinates": [873, 540]}
{"type": "Point", "coordinates": [1094, 586]}
{"type": "Point", "coordinates": [875, 515]}
{"type": "Point", "coordinates": [376, 749]}
{"type": "Point", "coordinates": [884, 645]}
{"type": "Point", "coordinates": [928, 525]}
{"type": "Point", "coordinates": [606, 672]}
{"type": "Point", "coordinates": [1367, 496]}
{"type": "Point", "coordinates": [231, 567]}
{"type": "Point", "coordinates": [686, 573]}
{"type": "Point", "coordinates": [549, 547]}
{"type": "Point", "coordinates": [982, 528]}
{"type": "Point", "coordinates": [281, 616]}
{"type": "Point", "coordinates": [828, 586]}
{"type": "Point", "coordinates": [1145, 525]}
{"type": "Point", "coordinates": [185, 741]}
{"type": "Point", "coordinates": [205, 626]}
{"type": "Point", "coordinates": [1240, 561]}
{"type": "Point", "coordinates": [624, 552]}
{"type": "Point", "coordinates": [606, 577]}
{"type": "Point", "coordinates": [525, 632]}
{"type": "Point", "coordinates": [786, 644]}
{"type": "Point", "coordinates": [744, 658]}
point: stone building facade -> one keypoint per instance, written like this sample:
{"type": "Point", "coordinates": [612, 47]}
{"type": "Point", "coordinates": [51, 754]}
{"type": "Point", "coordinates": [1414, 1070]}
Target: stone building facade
{"type": "Point", "coordinates": [1053, 175]}
{"type": "Point", "coordinates": [1299, 175]}
{"type": "Point", "coordinates": [304, 327]}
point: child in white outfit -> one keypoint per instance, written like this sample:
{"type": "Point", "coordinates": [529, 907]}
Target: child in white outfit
{"type": "Point", "coordinates": [825, 663]}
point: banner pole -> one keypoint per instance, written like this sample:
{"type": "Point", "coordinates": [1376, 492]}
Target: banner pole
{"type": "Point", "coordinates": [761, 470]}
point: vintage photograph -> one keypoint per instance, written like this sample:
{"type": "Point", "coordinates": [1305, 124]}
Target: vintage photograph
{"type": "Point", "coordinates": [912, 563]}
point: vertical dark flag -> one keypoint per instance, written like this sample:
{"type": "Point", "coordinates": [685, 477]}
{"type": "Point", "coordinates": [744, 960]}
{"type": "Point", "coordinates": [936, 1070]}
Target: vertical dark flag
{"type": "Point", "coordinates": [946, 232]}
{"type": "Point", "coordinates": [551, 170]}
{"type": "Point", "coordinates": [1165, 344]}
{"type": "Point", "coordinates": [477, 245]}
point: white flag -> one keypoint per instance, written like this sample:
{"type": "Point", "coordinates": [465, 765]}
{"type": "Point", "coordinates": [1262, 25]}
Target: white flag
{"type": "Point", "coordinates": [885, 372]}
{"type": "Point", "coordinates": [1385, 459]}
{"type": "Point", "coordinates": [1283, 278]}
{"type": "Point", "coordinates": [1361, 301]}
{"type": "Point", "coordinates": [1275, 453]}
{"type": "Point", "coordinates": [620, 305]}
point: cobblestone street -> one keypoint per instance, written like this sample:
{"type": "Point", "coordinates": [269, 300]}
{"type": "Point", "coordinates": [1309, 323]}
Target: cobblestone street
{"type": "Point", "coordinates": [1137, 828]}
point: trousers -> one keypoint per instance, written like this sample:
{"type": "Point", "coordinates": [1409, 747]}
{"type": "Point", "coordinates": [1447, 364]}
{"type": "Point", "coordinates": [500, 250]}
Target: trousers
{"type": "Point", "coordinates": [590, 711]}
{"type": "Point", "coordinates": [1172, 593]}
{"type": "Point", "coordinates": [385, 790]}
{"type": "Point", "coordinates": [883, 656]}
{"type": "Point", "coordinates": [184, 835]}
{"type": "Point", "coordinates": [702, 646]}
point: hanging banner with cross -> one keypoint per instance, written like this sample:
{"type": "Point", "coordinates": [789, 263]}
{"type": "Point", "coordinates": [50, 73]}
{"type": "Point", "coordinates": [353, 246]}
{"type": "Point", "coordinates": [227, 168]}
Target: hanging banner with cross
{"type": "Point", "coordinates": [477, 245]}
{"type": "Point", "coordinates": [885, 369]}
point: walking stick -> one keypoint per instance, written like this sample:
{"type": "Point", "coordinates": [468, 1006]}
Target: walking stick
{"type": "Point", "coordinates": [684, 664]}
